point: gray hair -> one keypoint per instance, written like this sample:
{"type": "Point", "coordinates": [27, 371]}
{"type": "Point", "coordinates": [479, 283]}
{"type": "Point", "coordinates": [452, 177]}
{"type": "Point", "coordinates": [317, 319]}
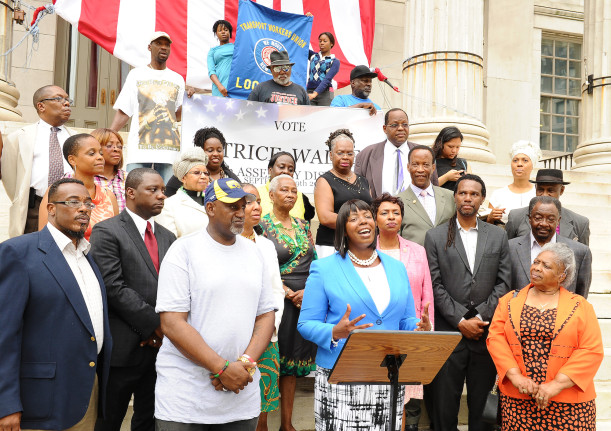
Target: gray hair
{"type": "Point", "coordinates": [339, 138]}
{"type": "Point", "coordinates": [273, 184]}
{"type": "Point", "coordinates": [564, 257]}
{"type": "Point", "coordinates": [544, 200]}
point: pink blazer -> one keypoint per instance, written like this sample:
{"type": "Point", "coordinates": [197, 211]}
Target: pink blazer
{"type": "Point", "coordinates": [413, 256]}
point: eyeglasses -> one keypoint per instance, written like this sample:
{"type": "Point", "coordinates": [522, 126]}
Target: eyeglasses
{"type": "Point", "coordinates": [60, 100]}
{"type": "Point", "coordinates": [110, 147]}
{"type": "Point", "coordinates": [199, 173]}
{"type": "Point", "coordinates": [76, 204]}
{"type": "Point", "coordinates": [279, 69]}
{"type": "Point", "coordinates": [396, 126]}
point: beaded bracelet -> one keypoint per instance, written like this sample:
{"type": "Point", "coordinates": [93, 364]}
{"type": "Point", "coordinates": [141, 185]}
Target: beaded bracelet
{"type": "Point", "coordinates": [217, 375]}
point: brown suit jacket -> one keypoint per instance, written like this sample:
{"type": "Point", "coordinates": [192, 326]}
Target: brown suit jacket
{"type": "Point", "coordinates": [370, 163]}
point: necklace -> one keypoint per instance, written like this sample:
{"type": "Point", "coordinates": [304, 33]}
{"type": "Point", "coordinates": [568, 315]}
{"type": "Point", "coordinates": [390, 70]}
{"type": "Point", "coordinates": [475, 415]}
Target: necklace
{"type": "Point", "coordinates": [343, 177]}
{"type": "Point", "coordinates": [251, 236]}
{"type": "Point", "coordinates": [363, 262]}
{"type": "Point", "coordinates": [542, 306]}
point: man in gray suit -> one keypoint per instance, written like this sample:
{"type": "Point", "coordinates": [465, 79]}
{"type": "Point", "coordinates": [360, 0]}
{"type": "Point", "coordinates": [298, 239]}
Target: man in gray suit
{"type": "Point", "coordinates": [128, 249]}
{"type": "Point", "coordinates": [426, 205]}
{"type": "Point", "coordinates": [544, 216]}
{"type": "Point", "coordinates": [470, 271]}
{"type": "Point", "coordinates": [385, 164]}
{"type": "Point", "coordinates": [550, 182]}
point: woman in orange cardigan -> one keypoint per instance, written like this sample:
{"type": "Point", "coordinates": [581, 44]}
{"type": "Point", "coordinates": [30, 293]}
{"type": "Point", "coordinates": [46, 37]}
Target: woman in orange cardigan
{"type": "Point", "coordinates": [547, 346]}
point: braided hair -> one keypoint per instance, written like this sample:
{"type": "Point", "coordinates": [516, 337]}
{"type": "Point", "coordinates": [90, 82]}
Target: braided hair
{"type": "Point", "coordinates": [202, 135]}
{"type": "Point", "coordinates": [339, 133]}
{"type": "Point", "coordinates": [452, 226]}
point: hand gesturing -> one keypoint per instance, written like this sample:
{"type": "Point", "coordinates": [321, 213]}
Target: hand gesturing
{"type": "Point", "coordinates": [345, 325]}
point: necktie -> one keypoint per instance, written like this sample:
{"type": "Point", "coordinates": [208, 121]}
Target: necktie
{"type": "Point", "coordinates": [56, 163]}
{"type": "Point", "coordinates": [428, 203]}
{"type": "Point", "coordinates": [151, 245]}
{"type": "Point", "coordinates": [399, 174]}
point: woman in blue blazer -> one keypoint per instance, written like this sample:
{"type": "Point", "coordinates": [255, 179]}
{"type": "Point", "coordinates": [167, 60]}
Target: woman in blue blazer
{"type": "Point", "coordinates": [355, 288]}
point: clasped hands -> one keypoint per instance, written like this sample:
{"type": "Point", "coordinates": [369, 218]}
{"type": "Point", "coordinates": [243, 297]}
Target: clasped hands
{"type": "Point", "coordinates": [155, 340]}
{"type": "Point", "coordinates": [235, 377]}
{"type": "Point", "coordinates": [541, 393]}
{"type": "Point", "coordinates": [343, 328]}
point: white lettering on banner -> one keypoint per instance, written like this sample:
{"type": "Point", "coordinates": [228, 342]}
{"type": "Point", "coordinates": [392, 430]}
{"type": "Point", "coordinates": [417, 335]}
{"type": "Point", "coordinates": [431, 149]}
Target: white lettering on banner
{"type": "Point", "coordinates": [255, 131]}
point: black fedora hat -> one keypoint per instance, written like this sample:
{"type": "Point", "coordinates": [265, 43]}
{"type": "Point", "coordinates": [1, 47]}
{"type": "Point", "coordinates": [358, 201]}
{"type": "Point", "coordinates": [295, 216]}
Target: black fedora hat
{"type": "Point", "coordinates": [549, 176]}
{"type": "Point", "coordinates": [279, 58]}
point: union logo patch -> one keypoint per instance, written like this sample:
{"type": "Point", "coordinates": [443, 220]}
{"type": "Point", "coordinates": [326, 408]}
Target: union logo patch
{"type": "Point", "coordinates": [263, 48]}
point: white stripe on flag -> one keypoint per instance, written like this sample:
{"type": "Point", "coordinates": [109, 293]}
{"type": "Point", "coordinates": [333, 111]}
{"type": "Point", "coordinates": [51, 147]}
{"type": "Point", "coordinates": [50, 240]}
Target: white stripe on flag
{"type": "Point", "coordinates": [135, 26]}
{"type": "Point", "coordinates": [346, 17]}
{"type": "Point", "coordinates": [293, 6]}
{"type": "Point", "coordinates": [200, 19]}
{"type": "Point", "coordinates": [70, 10]}
{"type": "Point", "coordinates": [266, 3]}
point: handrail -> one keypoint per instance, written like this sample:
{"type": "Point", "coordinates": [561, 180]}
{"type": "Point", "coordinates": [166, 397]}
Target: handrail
{"type": "Point", "coordinates": [557, 162]}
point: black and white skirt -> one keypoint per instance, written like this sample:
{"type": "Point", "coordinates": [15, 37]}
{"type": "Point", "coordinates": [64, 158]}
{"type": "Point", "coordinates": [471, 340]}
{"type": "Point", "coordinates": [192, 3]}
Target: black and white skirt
{"type": "Point", "coordinates": [353, 407]}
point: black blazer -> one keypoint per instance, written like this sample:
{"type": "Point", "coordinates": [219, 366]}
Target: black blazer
{"type": "Point", "coordinates": [131, 283]}
{"type": "Point", "coordinates": [572, 225]}
{"type": "Point", "coordinates": [456, 290]}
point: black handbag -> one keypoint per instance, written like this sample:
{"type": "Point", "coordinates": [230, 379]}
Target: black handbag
{"type": "Point", "coordinates": [491, 409]}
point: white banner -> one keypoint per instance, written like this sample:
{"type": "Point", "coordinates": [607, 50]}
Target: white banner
{"type": "Point", "coordinates": [254, 131]}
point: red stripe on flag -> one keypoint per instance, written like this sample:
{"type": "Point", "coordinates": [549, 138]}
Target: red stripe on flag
{"type": "Point", "coordinates": [368, 22]}
{"type": "Point", "coordinates": [96, 19]}
{"type": "Point", "coordinates": [277, 5]}
{"type": "Point", "coordinates": [231, 15]}
{"type": "Point", "coordinates": [170, 14]}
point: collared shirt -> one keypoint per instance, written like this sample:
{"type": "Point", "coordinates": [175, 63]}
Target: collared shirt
{"type": "Point", "coordinates": [140, 223]}
{"type": "Point", "coordinates": [469, 241]}
{"type": "Point", "coordinates": [40, 163]}
{"type": "Point", "coordinates": [389, 167]}
{"type": "Point", "coordinates": [535, 248]}
{"type": "Point", "coordinates": [116, 184]}
{"type": "Point", "coordinates": [85, 277]}
{"type": "Point", "coordinates": [430, 194]}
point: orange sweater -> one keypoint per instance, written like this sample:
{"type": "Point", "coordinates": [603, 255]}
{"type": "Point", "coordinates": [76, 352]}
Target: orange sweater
{"type": "Point", "coordinates": [577, 351]}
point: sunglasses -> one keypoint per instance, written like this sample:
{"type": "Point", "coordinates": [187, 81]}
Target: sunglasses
{"type": "Point", "coordinates": [279, 69]}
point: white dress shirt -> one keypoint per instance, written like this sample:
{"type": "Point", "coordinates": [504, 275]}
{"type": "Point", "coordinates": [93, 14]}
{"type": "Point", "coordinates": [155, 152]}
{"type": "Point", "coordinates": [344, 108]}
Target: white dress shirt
{"type": "Point", "coordinates": [535, 248]}
{"type": "Point", "coordinates": [469, 241]}
{"type": "Point", "coordinates": [140, 223]}
{"type": "Point", "coordinates": [85, 277]}
{"type": "Point", "coordinates": [389, 167]}
{"type": "Point", "coordinates": [430, 206]}
{"type": "Point", "coordinates": [40, 162]}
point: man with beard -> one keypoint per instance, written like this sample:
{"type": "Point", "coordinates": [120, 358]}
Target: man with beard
{"type": "Point", "coordinates": [55, 338]}
{"type": "Point", "coordinates": [544, 214]}
{"type": "Point", "coordinates": [152, 96]}
{"type": "Point", "coordinates": [217, 313]}
{"type": "Point", "coordinates": [128, 249]}
{"type": "Point", "coordinates": [385, 164]}
{"type": "Point", "coordinates": [32, 158]}
{"type": "Point", "coordinates": [470, 270]}
{"type": "Point", "coordinates": [360, 82]}
{"type": "Point", "coordinates": [280, 89]}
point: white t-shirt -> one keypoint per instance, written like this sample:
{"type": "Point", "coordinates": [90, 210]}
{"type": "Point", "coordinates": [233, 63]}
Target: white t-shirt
{"type": "Point", "coordinates": [223, 288]}
{"type": "Point", "coordinates": [270, 255]}
{"type": "Point", "coordinates": [505, 198]}
{"type": "Point", "coordinates": [152, 97]}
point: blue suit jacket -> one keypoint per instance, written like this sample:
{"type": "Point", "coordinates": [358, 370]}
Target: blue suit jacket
{"type": "Point", "coordinates": [333, 284]}
{"type": "Point", "coordinates": [47, 347]}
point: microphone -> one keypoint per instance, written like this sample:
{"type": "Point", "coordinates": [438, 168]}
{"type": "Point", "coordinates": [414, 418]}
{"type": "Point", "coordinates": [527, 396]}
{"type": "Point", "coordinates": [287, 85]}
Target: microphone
{"type": "Point", "coordinates": [383, 78]}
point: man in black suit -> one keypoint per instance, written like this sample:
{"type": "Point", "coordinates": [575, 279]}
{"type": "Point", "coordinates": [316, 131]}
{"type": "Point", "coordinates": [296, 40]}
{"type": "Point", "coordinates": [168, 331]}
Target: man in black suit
{"type": "Point", "coordinates": [129, 248]}
{"type": "Point", "coordinates": [544, 217]}
{"type": "Point", "coordinates": [470, 271]}
{"type": "Point", "coordinates": [380, 163]}
{"type": "Point", "coordinates": [550, 182]}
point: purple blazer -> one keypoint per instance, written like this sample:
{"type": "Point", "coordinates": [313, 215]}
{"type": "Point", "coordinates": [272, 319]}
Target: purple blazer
{"type": "Point", "coordinates": [413, 256]}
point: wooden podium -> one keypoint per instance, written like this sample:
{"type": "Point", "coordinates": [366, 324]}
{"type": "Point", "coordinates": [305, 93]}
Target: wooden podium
{"type": "Point", "coordinates": [374, 357]}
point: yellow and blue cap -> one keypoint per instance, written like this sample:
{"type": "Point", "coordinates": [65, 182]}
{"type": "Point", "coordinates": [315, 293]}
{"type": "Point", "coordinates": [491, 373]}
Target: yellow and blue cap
{"type": "Point", "coordinates": [226, 190]}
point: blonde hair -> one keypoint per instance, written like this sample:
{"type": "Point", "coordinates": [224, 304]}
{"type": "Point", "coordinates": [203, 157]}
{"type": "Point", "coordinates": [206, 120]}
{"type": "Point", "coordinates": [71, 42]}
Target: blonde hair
{"type": "Point", "coordinates": [103, 135]}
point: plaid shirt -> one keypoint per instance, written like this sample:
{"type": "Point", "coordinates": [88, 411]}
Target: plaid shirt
{"type": "Point", "coordinates": [116, 184]}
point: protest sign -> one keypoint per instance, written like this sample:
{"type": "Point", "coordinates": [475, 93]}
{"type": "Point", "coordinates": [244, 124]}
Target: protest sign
{"type": "Point", "coordinates": [259, 32]}
{"type": "Point", "coordinates": [255, 131]}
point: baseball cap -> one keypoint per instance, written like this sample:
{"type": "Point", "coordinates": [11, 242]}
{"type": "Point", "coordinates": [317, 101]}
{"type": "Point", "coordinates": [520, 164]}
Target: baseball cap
{"type": "Point", "coordinates": [159, 34]}
{"type": "Point", "coordinates": [360, 71]}
{"type": "Point", "coordinates": [226, 190]}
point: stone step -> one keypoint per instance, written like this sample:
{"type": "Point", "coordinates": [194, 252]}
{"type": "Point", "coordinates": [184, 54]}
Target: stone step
{"type": "Point", "coordinates": [605, 329]}
{"type": "Point", "coordinates": [603, 401]}
{"type": "Point", "coordinates": [601, 304]}
{"type": "Point", "coordinates": [604, 372]}
{"type": "Point", "coordinates": [601, 282]}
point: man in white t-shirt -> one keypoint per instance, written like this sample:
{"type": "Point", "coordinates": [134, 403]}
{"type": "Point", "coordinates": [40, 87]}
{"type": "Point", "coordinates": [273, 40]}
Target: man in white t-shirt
{"type": "Point", "coordinates": [217, 312]}
{"type": "Point", "coordinates": [152, 96]}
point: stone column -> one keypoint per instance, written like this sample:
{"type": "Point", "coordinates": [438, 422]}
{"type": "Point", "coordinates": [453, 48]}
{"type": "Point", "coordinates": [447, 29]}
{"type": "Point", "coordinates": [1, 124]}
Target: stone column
{"type": "Point", "coordinates": [9, 95]}
{"type": "Point", "coordinates": [443, 74]}
{"type": "Point", "coordinates": [594, 151]}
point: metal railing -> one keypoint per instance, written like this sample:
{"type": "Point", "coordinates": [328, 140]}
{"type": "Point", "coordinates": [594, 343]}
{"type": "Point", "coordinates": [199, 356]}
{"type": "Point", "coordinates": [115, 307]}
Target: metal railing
{"type": "Point", "coordinates": [563, 162]}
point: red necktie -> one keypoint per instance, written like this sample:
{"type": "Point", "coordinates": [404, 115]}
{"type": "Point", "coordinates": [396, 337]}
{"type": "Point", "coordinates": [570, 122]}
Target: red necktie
{"type": "Point", "coordinates": [151, 245]}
